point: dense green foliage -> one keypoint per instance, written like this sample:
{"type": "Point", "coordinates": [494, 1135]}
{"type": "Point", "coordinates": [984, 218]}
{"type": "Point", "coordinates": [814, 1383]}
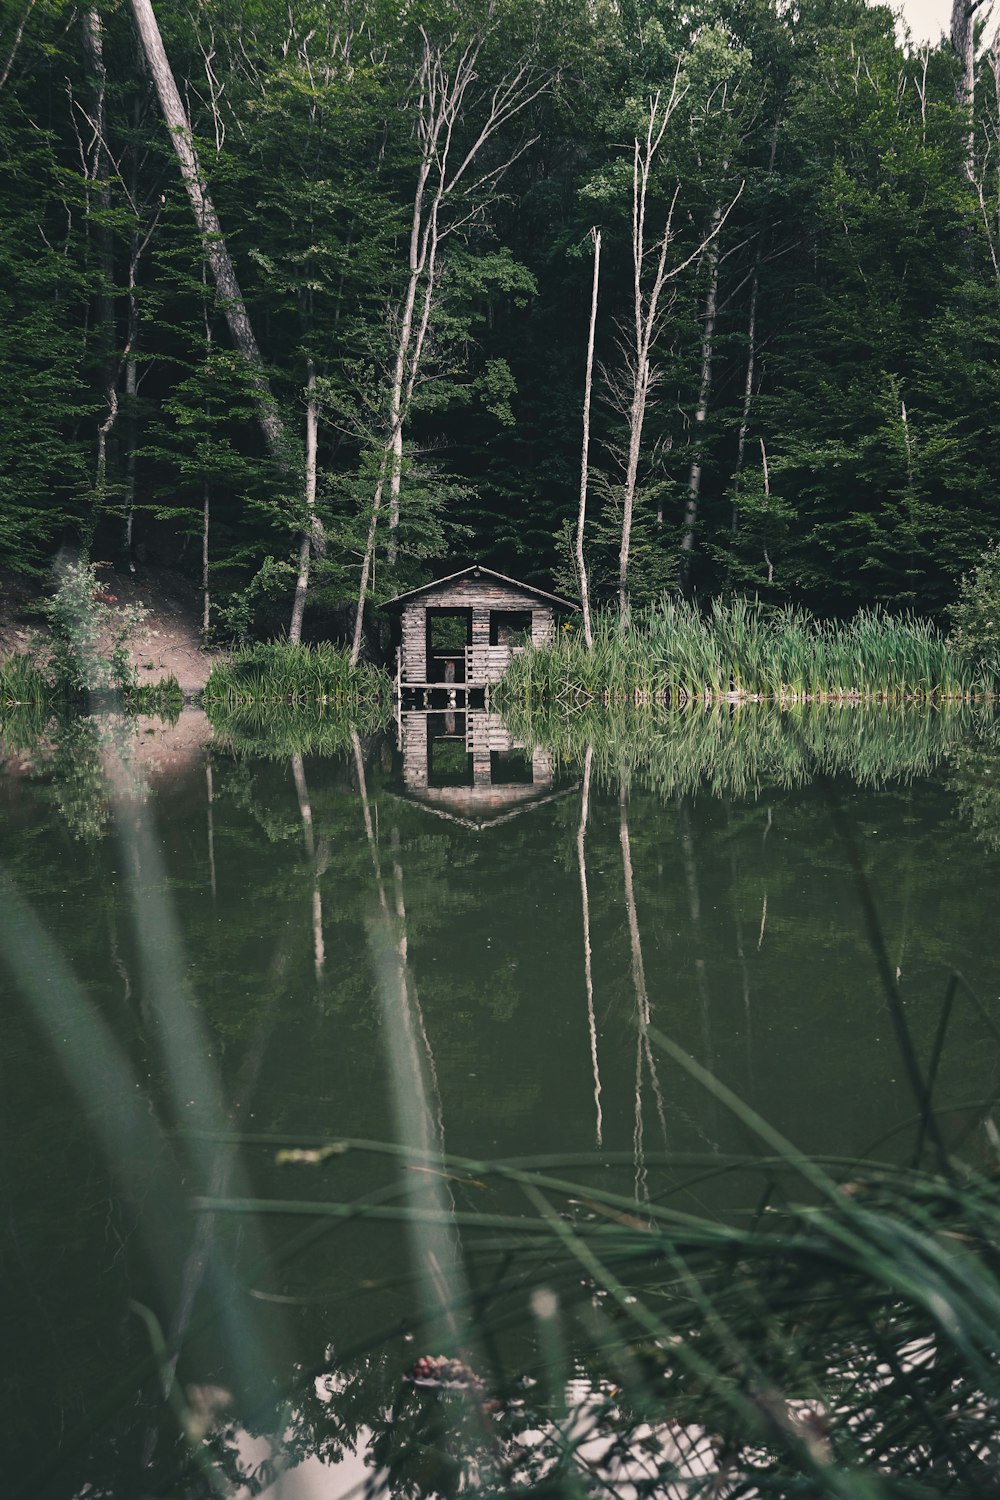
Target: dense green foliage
{"type": "Point", "coordinates": [824, 364]}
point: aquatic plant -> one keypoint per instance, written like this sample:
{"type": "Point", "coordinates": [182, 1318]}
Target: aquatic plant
{"type": "Point", "coordinates": [672, 652]}
{"type": "Point", "coordinates": [840, 1334]}
{"type": "Point", "coordinates": [163, 698]}
{"type": "Point", "coordinates": [22, 683]}
{"type": "Point", "coordinates": [275, 674]}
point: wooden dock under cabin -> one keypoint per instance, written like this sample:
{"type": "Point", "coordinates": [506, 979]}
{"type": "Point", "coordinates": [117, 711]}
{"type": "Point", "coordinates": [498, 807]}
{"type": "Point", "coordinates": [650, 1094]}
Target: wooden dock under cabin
{"type": "Point", "coordinates": [458, 634]}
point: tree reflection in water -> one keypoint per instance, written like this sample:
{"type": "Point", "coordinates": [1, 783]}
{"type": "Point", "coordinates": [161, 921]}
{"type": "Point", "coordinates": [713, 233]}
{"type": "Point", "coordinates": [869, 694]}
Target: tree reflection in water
{"type": "Point", "coordinates": [742, 1318]}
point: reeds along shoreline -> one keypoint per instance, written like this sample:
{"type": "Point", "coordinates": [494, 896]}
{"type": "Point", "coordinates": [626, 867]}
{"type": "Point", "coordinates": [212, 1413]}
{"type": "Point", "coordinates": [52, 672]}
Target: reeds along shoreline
{"type": "Point", "coordinates": [740, 650]}
{"type": "Point", "coordinates": [276, 699]}
{"type": "Point", "coordinates": [276, 674]}
{"type": "Point", "coordinates": [27, 689]}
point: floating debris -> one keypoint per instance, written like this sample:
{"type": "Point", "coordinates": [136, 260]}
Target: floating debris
{"type": "Point", "coordinates": [450, 1374]}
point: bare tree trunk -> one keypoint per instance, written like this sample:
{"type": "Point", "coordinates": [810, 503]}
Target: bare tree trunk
{"type": "Point", "coordinates": [305, 545]}
{"type": "Point", "coordinates": [132, 339]}
{"type": "Point", "coordinates": [206, 492]}
{"type": "Point", "coordinates": [16, 43]}
{"type": "Point", "coordinates": [97, 173]}
{"type": "Point", "coordinates": [704, 394]}
{"type": "Point", "coordinates": [767, 498]}
{"type": "Point", "coordinates": [990, 211]}
{"type": "Point", "coordinates": [581, 562]}
{"type": "Point", "coordinates": [963, 41]}
{"type": "Point", "coordinates": [210, 229]}
{"type": "Point", "coordinates": [447, 71]}
{"type": "Point", "coordinates": [741, 441]}
{"type": "Point", "coordinates": [367, 566]}
{"type": "Point", "coordinates": [994, 60]}
{"type": "Point", "coordinates": [131, 393]}
{"type": "Point", "coordinates": [419, 258]}
{"type": "Point", "coordinates": [647, 307]}
{"type": "Point", "coordinates": [206, 517]}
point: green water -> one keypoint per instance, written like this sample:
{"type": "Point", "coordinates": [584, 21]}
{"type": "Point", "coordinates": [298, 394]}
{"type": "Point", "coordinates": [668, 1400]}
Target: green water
{"type": "Point", "coordinates": [391, 944]}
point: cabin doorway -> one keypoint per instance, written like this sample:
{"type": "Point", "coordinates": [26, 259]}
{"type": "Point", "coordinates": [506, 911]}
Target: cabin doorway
{"type": "Point", "coordinates": [449, 631]}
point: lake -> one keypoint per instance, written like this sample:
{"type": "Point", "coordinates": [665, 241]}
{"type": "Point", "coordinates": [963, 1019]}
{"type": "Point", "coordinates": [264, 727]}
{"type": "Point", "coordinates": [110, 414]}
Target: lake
{"type": "Point", "coordinates": [467, 945]}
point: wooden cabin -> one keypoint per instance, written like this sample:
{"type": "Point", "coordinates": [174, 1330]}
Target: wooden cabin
{"type": "Point", "coordinates": [459, 633]}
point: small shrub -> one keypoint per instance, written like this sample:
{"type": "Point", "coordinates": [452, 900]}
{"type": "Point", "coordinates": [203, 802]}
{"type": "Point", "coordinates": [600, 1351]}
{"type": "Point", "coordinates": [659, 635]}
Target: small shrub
{"type": "Point", "coordinates": [975, 615]}
{"type": "Point", "coordinates": [89, 635]}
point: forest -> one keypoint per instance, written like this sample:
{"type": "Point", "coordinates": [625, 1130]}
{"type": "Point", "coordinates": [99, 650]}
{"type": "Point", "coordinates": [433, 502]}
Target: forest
{"type": "Point", "coordinates": [313, 300]}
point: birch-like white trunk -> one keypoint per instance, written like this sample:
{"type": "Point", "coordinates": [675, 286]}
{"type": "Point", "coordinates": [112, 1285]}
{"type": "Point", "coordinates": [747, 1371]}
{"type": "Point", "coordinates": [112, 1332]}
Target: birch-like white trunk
{"type": "Point", "coordinates": [131, 392]}
{"type": "Point", "coordinates": [693, 503]}
{"type": "Point", "coordinates": [92, 31]}
{"type": "Point", "coordinates": [741, 440]}
{"type": "Point", "coordinates": [16, 43]}
{"type": "Point", "coordinates": [647, 305]}
{"type": "Point", "coordinates": [444, 181]}
{"type": "Point", "coordinates": [645, 312]}
{"type": "Point", "coordinates": [306, 542]}
{"type": "Point", "coordinates": [963, 42]}
{"type": "Point", "coordinates": [210, 229]}
{"type": "Point", "coordinates": [403, 365]}
{"type": "Point", "coordinates": [581, 561]}
{"type": "Point", "coordinates": [206, 521]}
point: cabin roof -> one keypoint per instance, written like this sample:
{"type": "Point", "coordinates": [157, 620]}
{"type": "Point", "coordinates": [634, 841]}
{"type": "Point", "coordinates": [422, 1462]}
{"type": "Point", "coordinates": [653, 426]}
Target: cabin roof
{"type": "Point", "coordinates": [477, 570]}
{"type": "Point", "coordinates": [536, 796]}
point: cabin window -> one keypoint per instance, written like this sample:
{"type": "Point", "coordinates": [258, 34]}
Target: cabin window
{"type": "Point", "coordinates": [511, 768]}
{"type": "Point", "coordinates": [449, 631]}
{"type": "Point", "coordinates": [450, 763]}
{"type": "Point", "coordinates": [508, 627]}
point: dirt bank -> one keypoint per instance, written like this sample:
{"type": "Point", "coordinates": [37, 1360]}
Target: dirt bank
{"type": "Point", "coordinates": [169, 642]}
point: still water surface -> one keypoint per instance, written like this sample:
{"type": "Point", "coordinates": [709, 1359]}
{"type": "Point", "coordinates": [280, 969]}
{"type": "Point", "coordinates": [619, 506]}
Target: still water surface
{"type": "Point", "coordinates": [452, 943]}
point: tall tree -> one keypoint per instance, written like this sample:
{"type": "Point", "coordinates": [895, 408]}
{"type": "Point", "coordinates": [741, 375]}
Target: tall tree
{"type": "Point", "coordinates": [210, 229]}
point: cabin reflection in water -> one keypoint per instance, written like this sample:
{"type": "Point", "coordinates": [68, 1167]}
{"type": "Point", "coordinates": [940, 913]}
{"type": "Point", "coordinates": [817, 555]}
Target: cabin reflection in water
{"type": "Point", "coordinates": [469, 768]}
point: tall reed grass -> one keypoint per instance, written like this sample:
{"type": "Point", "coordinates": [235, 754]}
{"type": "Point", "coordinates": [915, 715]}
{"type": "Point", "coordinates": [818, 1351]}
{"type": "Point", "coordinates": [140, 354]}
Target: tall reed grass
{"type": "Point", "coordinates": [273, 674]}
{"type": "Point", "coordinates": [672, 652]}
{"type": "Point", "coordinates": [23, 684]}
{"type": "Point", "coordinates": [839, 1338]}
{"type": "Point", "coordinates": [30, 695]}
